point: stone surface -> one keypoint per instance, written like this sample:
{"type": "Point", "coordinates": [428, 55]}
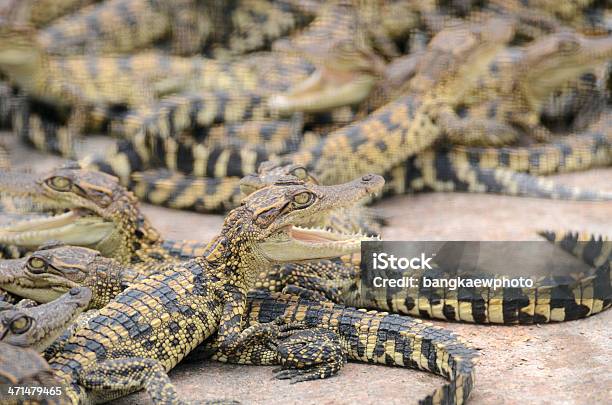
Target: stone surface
{"type": "Point", "coordinates": [565, 363]}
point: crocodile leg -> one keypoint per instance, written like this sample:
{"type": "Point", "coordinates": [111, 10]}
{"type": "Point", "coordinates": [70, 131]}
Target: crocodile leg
{"type": "Point", "coordinates": [114, 378]}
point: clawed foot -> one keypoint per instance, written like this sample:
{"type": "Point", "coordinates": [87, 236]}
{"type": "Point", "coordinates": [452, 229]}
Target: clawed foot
{"type": "Point", "coordinates": [279, 329]}
{"type": "Point", "coordinates": [309, 354]}
{"type": "Point", "coordinates": [300, 375]}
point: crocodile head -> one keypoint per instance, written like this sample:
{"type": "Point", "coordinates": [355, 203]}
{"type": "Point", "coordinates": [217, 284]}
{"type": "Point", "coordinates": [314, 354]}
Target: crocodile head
{"type": "Point", "coordinates": [457, 55]}
{"type": "Point", "coordinates": [346, 73]}
{"type": "Point", "coordinates": [54, 269]}
{"type": "Point", "coordinates": [39, 326]}
{"type": "Point", "coordinates": [87, 208]}
{"type": "Point", "coordinates": [272, 225]}
{"type": "Point", "coordinates": [555, 59]}
{"type": "Point", "coordinates": [353, 219]}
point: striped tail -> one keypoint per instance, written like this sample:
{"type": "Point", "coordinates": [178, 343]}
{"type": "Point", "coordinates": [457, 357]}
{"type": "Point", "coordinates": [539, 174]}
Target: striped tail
{"type": "Point", "coordinates": [443, 171]}
{"type": "Point", "coordinates": [572, 153]}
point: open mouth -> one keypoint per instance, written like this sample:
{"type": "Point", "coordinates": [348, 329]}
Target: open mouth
{"type": "Point", "coordinates": [80, 227]}
{"type": "Point", "coordinates": [295, 243]}
{"type": "Point", "coordinates": [324, 91]}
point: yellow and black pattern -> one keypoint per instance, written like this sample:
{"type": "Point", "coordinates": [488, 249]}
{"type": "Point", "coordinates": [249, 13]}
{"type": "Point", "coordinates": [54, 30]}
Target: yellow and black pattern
{"type": "Point", "coordinates": [378, 337]}
{"type": "Point", "coordinates": [567, 154]}
{"type": "Point", "coordinates": [128, 25]}
{"type": "Point", "coordinates": [148, 328]}
{"type": "Point", "coordinates": [178, 191]}
{"type": "Point", "coordinates": [448, 171]}
{"type": "Point", "coordinates": [595, 250]}
{"type": "Point", "coordinates": [557, 298]}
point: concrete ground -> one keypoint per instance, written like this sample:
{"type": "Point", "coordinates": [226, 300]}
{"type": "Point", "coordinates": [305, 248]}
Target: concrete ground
{"type": "Point", "coordinates": [567, 363]}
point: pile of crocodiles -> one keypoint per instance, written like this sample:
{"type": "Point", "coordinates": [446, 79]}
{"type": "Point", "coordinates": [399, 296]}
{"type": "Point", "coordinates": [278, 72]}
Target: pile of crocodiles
{"type": "Point", "coordinates": [289, 116]}
{"type": "Point", "coordinates": [151, 303]}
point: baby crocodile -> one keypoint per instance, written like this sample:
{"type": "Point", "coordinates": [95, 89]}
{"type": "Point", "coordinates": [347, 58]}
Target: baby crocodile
{"type": "Point", "coordinates": [400, 340]}
{"type": "Point", "coordinates": [148, 328]}
{"type": "Point", "coordinates": [39, 325]}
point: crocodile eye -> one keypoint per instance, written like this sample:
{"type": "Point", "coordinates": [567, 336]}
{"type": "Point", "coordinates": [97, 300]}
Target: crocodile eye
{"type": "Point", "coordinates": [303, 199]}
{"type": "Point", "coordinates": [37, 265]}
{"type": "Point", "coordinates": [300, 173]}
{"type": "Point", "coordinates": [60, 183]}
{"type": "Point", "coordinates": [21, 324]}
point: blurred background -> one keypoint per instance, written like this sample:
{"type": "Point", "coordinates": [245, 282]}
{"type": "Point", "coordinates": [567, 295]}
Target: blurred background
{"type": "Point", "coordinates": [180, 99]}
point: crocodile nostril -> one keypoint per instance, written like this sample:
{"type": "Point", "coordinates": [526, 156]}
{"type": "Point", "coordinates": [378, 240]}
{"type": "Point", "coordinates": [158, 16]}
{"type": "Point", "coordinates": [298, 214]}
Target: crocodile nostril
{"type": "Point", "coordinates": [74, 291]}
{"type": "Point", "coordinates": [367, 178]}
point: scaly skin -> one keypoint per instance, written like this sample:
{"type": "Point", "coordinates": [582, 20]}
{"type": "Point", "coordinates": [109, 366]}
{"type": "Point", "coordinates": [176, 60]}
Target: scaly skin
{"type": "Point", "coordinates": [591, 148]}
{"type": "Point", "coordinates": [228, 92]}
{"type": "Point", "coordinates": [128, 25]}
{"type": "Point", "coordinates": [101, 214]}
{"type": "Point", "coordinates": [509, 99]}
{"type": "Point", "coordinates": [551, 14]}
{"type": "Point", "coordinates": [564, 297]}
{"type": "Point", "coordinates": [54, 270]}
{"type": "Point", "coordinates": [398, 340]}
{"type": "Point", "coordinates": [83, 83]}
{"type": "Point", "coordinates": [497, 87]}
{"type": "Point", "coordinates": [209, 291]}
{"type": "Point", "coordinates": [38, 326]}
{"type": "Point", "coordinates": [40, 12]}
{"type": "Point", "coordinates": [596, 253]}
{"type": "Point", "coordinates": [263, 307]}
{"type": "Point", "coordinates": [254, 24]}
{"type": "Point", "coordinates": [459, 169]}
{"type": "Point", "coordinates": [479, 44]}
{"type": "Point", "coordinates": [407, 126]}
{"type": "Point", "coordinates": [340, 281]}
{"type": "Point", "coordinates": [26, 368]}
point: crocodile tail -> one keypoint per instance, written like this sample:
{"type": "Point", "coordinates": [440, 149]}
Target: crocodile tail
{"type": "Point", "coordinates": [123, 160]}
{"type": "Point", "coordinates": [177, 113]}
{"type": "Point", "coordinates": [174, 190]}
{"type": "Point", "coordinates": [443, 171]}
{"type": "Point", "coordinates": [233, 149]}
{"type": "Point", "coordinates": [423, 346]}
{"type": "Point", "coordinates": [508, 182]}
{"type": "Point", "coordinates": [46, 135]}
{"type": "Point", "coordinates": [379, 337]}
{"type": "Point", "coordinates": [551, 299]}
{"type": "Point", "coordinates": [595, 250]}
{"type": "Point", "coordinates": [572, 153]}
